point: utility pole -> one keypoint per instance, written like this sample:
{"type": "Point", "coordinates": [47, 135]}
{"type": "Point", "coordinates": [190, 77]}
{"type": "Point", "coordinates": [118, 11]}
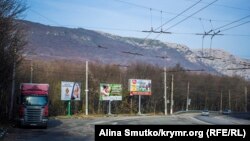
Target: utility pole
{"type": "Point", "coordinates": [229, 101]}
{"type": "Point", "coordinates": [172, 95]}
{"type": "Point", "coordinates": [188, 101]}
{"type": "Point", "coordinates": [221, 101]}
{"type": "Point", "coordinates": [31, 71]}
{"type": "Point", "coordinates": [86, 89]}
{"type": "Point", "coordinates": [246, 99]}
{"type": "Point", "coordinates": [165, 91]}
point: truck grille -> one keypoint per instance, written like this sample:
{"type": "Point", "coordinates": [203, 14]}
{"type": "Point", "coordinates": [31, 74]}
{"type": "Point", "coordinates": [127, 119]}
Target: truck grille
{"type": "Point", "coordinates": [33, 114]}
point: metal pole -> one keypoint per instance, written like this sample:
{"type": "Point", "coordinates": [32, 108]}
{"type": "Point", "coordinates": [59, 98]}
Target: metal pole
{"type": "Point", "coordinates": [86, 89]}
{"type": "Point", "coordinates": [229, 101]}
{"type": "Point", "coordinates": [187, 96]}
{"type": "Point", "coordinates": [172, 95]}
{"type": "Point", "coordinates": [202, 53]}
{"type": "Point", "coordinates": [69, 108]}
{"type": "Point", "coordinates": [139, 107]}
{"type": "Point", "coordinates": [131, 105]}
{"type": "Point", "coordinates": [109, 107]}
{"type": "Point", "coordinates": [165, 91]}
{"type": "Point", "coordinates": [246, 99]}
{"type": "Point", "coordinates": [31, 71]}
{"type": "Point", "coordinates": [221, 102]}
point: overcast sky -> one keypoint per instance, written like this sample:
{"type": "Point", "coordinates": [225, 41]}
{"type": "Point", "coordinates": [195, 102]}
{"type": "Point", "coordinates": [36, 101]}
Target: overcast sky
{"type": "Point", "coordinates": [130, 17]}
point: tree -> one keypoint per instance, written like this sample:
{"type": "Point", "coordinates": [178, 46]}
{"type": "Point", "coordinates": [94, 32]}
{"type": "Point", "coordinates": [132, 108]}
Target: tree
{"type": "Point", "coordinates": [11, 44]}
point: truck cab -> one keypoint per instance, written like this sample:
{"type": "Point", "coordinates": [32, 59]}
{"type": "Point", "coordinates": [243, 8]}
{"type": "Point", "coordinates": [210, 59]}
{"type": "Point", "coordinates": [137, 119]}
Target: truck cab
{"type": "Point", "coordinates": [33, 105]}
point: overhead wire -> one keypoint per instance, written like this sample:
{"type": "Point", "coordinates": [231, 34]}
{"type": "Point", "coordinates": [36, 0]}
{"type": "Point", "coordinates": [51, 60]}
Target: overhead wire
{"type": "Point", "coordinates": [179, 14]}
{"type": "Point", "coordinates": [168, 20]}
{"type": "Point", "coordinates": [216, 31]}
{"type": "Point", "coordinates": [52, 21]}
{"type": "Point", "coordinates": [225, 6]}
{"type": "Point", "coordinates": [235, 26]}
{"type": "Point", "coordinates": [135, 30]}
{"type": "Point", "coordinates": [187, 17]}
{"type": "Point", "coordinates": [232, 22]}
{"type": "Point", "coordinates": [170, 13]}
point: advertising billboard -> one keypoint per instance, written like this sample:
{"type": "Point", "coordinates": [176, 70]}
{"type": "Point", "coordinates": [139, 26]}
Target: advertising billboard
{"type": "Point", "coordinates": [139, 87]}
{"type": "Point", "coordinates": [70, 90]}
{"type": "Point", "coordinates": [110, 91]}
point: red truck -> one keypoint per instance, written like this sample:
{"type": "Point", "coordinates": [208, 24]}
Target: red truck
{"type": "Point", "coordinates": [33, 104]}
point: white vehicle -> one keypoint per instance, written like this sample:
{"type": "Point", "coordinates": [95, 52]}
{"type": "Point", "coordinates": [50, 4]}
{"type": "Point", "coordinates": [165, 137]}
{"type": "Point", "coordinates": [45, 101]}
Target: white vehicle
{"type": "Point", "coordinates": [226, 112]}
{"type": "Point", "coordinates": [205, 113]}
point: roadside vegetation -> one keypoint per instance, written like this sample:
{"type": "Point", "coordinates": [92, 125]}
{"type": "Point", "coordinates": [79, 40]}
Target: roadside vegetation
{"type": "Point", "coordinates": [205, 89]}
{"type": "Point", "coordinates": [12, 42]}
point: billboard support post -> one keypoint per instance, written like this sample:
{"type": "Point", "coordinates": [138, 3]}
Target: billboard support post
{"type": "Point", "coordinates": [139, 106]}
{"type": "Point", "coordinates": [109, 113]}
{"type": "Point", "coordinates": [69, 108]}
{"type": "Point", "coordinates": [131, 105]}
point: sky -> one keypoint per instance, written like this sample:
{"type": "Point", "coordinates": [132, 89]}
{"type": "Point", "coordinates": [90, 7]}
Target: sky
{"type": "Point", "coordinates": [128, 18]}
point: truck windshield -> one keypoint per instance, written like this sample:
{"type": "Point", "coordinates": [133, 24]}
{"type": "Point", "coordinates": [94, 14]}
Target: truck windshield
{"type": "Point", "coordinates": [35, 100]}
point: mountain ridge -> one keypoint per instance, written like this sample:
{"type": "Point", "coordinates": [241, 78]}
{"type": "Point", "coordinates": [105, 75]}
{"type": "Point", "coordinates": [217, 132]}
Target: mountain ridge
{"type": "Point", "coordinates": [47, 42]}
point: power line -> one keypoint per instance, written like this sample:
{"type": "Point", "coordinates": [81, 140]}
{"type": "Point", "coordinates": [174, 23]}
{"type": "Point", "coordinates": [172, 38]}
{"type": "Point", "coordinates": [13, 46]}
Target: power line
{"type": "Point", "coordinates": [188, 17]}
{"type": "Point", "coordinates": [232, 22]}
{"type": "Point", "coordinates": [186, 33]}
{"type": "Point", "coordinates": [176, 17]}
{"type": "Point", "coordinates": [170, 13]}
{"type": "Point", "coordinates": [89, 27]}
{"type": "Point", "coordinates": [170, 19]}
{"type": "Point", "coordinates": [226, 6]}
{"type": "Point", "coordinates": [135, 30]}
{"type": "Point", "coordinates": [191, 15]}
{"type": "Point", "coordinates": [180, 14]}
{"type": "Point", "coordinates": [235, 26]}
{"type": "Point", "coordinates": [56, 23]}
{"type": "Point", "coordinates": [242, 35]}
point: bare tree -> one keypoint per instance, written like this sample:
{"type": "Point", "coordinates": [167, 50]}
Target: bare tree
{"type": "Point", "coordinates": [11, 45]}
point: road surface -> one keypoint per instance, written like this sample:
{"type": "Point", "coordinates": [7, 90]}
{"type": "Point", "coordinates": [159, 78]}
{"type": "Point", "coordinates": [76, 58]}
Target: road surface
{"type": "Point", "coordinates": [83, 129]}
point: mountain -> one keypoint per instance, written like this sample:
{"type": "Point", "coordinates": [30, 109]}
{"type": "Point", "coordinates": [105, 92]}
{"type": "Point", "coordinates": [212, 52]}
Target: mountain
{"type": "Point", "coordinates": [49, 42]}
{"type": "Point", "coordinates": [225, 62]}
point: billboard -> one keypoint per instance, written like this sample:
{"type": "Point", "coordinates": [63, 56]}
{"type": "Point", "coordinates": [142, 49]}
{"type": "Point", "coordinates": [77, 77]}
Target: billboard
{"type": "Point", "coordinates": [139, 87]}
{"type": "Point", "coordinates": [110, 91]}
{"type": "Point", "coordinates": [70, 90]}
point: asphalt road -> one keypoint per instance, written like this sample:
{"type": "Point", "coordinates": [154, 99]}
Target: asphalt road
{"type": "Point", "coordinates": [83, 129]}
